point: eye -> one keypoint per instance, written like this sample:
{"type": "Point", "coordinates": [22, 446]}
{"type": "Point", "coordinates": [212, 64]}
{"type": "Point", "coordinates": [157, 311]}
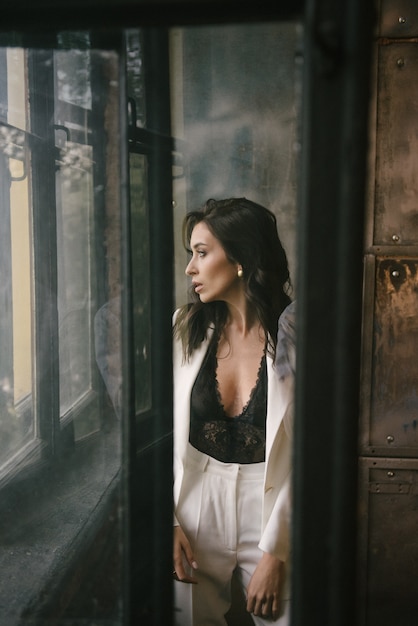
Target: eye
{"type": "Point", "coordinates": [201, 253]}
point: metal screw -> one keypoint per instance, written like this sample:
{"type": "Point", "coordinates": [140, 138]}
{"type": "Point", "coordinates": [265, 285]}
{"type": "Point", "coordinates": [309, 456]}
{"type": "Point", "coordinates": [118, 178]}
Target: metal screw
{"type": "Point", "coordinates": [391, 474]}
{"type": "Point", "coordinates": [395, 274]}
{"type": "Point", "coordinates": [402, 20]}
{"type": "Point", "coordinates": [400, 62]}
{"type": "Point", "coordinates": [390, 439]}
{"type": "Point", "coordinates": [395, 238]}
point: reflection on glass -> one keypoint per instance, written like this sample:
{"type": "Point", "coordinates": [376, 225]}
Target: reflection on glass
{"type": "Point", "coordinates": [73, 71]}
{"type": "Point", "coordinates": [77, 280]}
{"type": "Point", "coordinates": [74, 216]}
{"type": "Point", "coordinates": [135, 77]}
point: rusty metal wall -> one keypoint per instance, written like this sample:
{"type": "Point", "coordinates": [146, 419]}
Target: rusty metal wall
{"type": "Point", "coordinates": [388, 555]}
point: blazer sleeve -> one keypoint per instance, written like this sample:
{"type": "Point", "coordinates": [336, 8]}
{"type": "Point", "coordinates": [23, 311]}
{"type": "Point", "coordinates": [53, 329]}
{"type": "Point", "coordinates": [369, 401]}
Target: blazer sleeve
{"type": "Point", "coordinates": [275, 538]}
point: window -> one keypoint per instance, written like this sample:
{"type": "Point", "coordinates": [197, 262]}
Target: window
{"type": "Point", "coordinates": [53, 251]}
{"type": "Point", "coordinates": [60, 329]}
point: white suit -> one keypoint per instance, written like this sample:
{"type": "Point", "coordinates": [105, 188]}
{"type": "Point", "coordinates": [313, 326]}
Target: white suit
{"type": "Point", "coordinates": [274, 536]}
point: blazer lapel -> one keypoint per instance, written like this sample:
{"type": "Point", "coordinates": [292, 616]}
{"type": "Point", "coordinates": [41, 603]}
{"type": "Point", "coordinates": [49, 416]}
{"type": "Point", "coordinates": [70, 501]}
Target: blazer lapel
{"type": "Point", "coordinates": [185, 375]}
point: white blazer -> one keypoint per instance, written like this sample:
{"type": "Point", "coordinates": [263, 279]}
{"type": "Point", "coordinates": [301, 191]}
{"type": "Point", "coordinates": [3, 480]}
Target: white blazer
{"type": "Point", "coordinates": [275, 531]}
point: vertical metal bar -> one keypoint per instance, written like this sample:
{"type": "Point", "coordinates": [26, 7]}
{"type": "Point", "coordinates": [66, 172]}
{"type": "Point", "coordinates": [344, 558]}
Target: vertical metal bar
{"type": "Point", "coordinates": [162, 270]}
{"type": "Point", "coordinates": [127, 353]}
{"type": "Point", "coordinates": [151, 451]}
{"type": "Point", "coordinates": [334, 140]}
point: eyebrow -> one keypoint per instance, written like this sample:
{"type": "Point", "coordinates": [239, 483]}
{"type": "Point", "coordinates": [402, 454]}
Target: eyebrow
{"type": "Point", "coordinates": [196, 245]}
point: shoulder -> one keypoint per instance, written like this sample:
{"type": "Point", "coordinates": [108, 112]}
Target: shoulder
{"type": "Point", "coordinates": [285, 362]}
{"type": "Point", "coordinates": [181, 333]}
{"type": "Point", "coordinates": [287, 320]}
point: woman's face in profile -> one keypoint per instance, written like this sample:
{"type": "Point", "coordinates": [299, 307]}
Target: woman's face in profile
{"type": "Point", "coordinates": [214, 276]}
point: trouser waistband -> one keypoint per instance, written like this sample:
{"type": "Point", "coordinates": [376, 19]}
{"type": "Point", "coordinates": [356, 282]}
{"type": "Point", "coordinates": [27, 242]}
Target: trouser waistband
{"type": "Point", "coordinates": [205, 463]}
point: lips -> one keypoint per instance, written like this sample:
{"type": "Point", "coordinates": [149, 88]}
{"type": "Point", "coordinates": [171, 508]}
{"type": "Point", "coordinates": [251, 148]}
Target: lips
{"type": "Point", "coordinates": [197, 286]}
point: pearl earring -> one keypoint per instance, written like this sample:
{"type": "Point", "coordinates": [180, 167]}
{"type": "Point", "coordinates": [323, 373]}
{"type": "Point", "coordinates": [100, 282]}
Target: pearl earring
{"type": "Point", "coordinates": [240, 273]}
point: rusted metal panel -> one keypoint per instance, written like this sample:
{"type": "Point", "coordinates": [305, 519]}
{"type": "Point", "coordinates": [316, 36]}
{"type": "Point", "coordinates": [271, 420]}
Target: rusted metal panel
{"type": "Point", "coordinates": [388, 542]}
{"type": "Point", "coordinates": [399, 18]}
{"type": "Point", "coordinates": [390, 421]}
{"type": "Point", "coordinates": [388, 487]}
{"type": "Point", "coordinates": [396, 189]}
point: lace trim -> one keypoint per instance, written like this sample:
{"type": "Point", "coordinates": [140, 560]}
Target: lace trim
{"type": "Point", "coordinates": [253, 390]}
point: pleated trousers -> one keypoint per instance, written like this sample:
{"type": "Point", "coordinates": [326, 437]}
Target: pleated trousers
{"type": "Point", "coordinates": [219, 510]}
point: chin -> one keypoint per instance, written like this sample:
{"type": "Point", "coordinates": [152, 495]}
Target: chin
{"type": "Point", "coordinates": [205, 299]}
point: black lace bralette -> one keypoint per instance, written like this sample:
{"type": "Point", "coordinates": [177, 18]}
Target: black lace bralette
{"type": "Point", "coordinates": [239, 439]}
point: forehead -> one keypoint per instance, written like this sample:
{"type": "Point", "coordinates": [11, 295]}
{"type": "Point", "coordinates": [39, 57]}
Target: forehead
{"type": "Point", "coordinates": [202, 234]}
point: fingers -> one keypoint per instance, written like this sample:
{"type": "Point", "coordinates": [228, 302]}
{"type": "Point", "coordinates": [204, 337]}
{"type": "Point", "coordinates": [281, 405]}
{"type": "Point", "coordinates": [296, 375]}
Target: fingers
{"type": "Point", "coordinates": [275, 609]}
{"type": "Point", "coordinates": [268, 608]}
{"type": "Point", "coordinates": [264, 588]}
{"type": "Point", "coordinates": [182, 551]}
{"type": "Point", "coordinates": [180, 574]}
{"type": "Point", "coordinates": [183, 578]}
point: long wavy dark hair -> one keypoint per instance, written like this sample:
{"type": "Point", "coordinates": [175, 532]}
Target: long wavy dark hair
{"type": "Point", "coordinates": [248, 233]}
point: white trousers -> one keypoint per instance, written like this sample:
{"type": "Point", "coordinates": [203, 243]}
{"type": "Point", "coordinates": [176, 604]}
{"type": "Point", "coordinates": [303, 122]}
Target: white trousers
{"type": "Point", "coordinates": [219, 510]}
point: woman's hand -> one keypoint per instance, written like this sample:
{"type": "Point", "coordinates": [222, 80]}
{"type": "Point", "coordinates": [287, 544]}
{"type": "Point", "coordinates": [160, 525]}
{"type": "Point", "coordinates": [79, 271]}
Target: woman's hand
{"type": "Point", "coordinates": [181, 547]}
{"type": "Point", "coordinates": [265, 587]}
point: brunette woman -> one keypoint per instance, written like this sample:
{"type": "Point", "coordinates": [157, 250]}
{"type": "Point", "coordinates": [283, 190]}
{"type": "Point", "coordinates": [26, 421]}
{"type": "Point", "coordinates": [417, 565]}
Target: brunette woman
{"type": "Point", "coordinates": [234, 365]}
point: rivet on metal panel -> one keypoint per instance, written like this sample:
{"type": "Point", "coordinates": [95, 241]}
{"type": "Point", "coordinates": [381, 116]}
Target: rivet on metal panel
{"type": "Point", "coordinates": [402, 20]}
{"type": "Point", "coordinates": [395, 274]}
{"type": "Point", "coordinates": [391, 474]}
{"type": "Point", "coordinates": [395, 238]}
{"type": "Point", "coordinates": [400, 62]}
{"type": "Point", "coordinates": [390, 439]}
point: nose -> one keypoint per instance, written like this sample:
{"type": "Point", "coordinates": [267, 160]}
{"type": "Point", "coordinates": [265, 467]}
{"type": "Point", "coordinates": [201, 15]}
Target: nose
{"type": "Point", "coordinates": [190, 268]}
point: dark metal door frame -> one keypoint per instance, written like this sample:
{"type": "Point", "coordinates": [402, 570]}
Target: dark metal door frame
{"type": "Point", "coordinates": [335, 108]}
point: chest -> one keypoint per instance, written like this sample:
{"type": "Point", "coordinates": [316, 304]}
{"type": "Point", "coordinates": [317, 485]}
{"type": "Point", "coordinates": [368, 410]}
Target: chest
{"type": "Point", "coordinates": [237, 372]}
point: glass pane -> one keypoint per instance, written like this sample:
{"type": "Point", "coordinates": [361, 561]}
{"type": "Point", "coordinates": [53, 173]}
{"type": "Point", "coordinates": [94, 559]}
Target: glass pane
{"type": "Point", "coordinates": [76, 267]}
{"type": "Point", "coordinates": [135, 78]}
{"type": "Point", "coordinates": [74, 209]}
{"type": "Point", "coordinates": [21, 279]}
{"type": "Point", "coordinates": [17, 421]}
{"type": "Point", "coordinates": [235, 117]}
{"type": "Point", "coordinates": [73, 71]}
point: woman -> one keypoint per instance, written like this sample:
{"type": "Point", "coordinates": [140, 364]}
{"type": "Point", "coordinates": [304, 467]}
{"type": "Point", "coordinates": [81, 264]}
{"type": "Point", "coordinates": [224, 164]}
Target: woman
{"type": "Point", "coordinates": [233, 398]}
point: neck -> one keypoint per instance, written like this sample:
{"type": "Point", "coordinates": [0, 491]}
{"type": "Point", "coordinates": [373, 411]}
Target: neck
{"type": "Point", "coordinates": [242, 320]}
